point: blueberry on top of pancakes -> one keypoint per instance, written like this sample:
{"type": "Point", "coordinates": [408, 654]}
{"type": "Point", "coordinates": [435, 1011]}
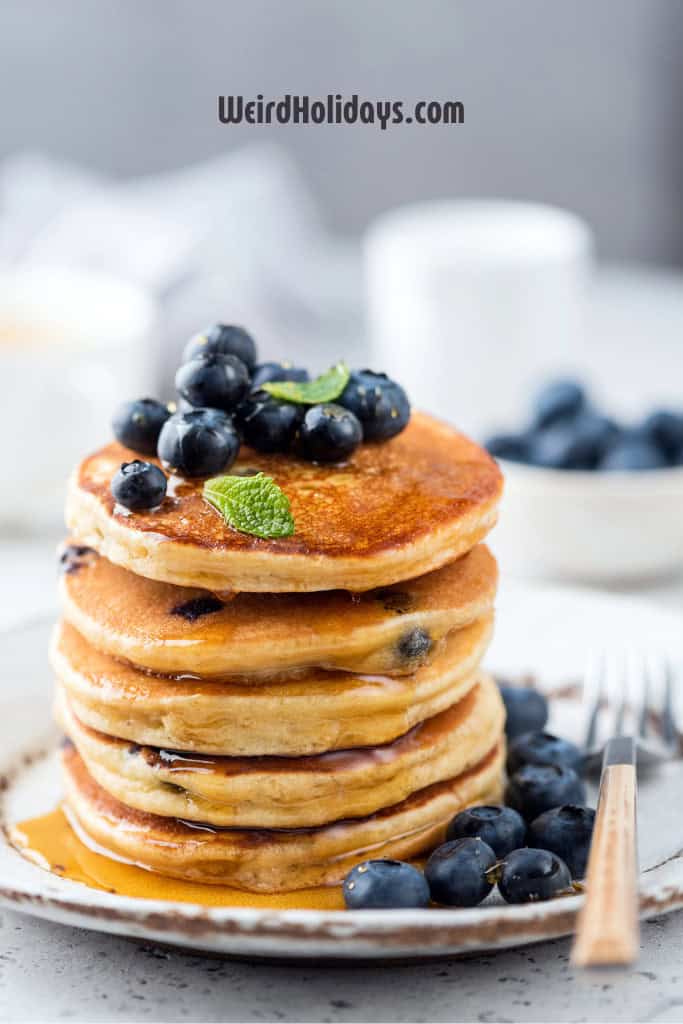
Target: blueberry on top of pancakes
{"type": "Point", "coordinates": [267, 424]}
{"type": "Point", "coordinates": [213, 380]}
{"type": "Point", "coordinates": [198, 443]}
{"type": "Point", "coordinates": [380, 404]}
{"type": "Point", "coordinates": [137, 424]}
{"type": "Point", "coordinates": [139, 485]}
{"type": "Point", "coordinates": [329, 433]}
{"type": "Point", "coordinates": [226, 339]}
{"type": "Point", "coordinates": [265, 372]}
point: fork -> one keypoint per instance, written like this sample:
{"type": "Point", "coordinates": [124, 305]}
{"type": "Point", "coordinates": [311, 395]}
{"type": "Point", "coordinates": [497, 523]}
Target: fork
{"type": "Point", "coordinates": [642, 732]}
{"type": "Point", "coordinates": [610, 686]}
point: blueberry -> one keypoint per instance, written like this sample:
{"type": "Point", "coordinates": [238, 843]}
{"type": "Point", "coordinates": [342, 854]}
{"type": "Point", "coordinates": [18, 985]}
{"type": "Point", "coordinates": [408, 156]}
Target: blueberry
{"type": "Point", "coordinates": [502, 828]}
{"type": "Point", "coordinates": [329, 433]}
{"type": "Point", "coordinates": [579, 443]}
{"type": "Point", "coordinates": [138, 424]}
{"type": "Point", "coordinates": [213, 381]}
{"type": "Point", "coordinates": [632, 452]}
{"type": "Point", "coordinates": [265, 372]}
{"type": "Point", "coordinates": [416, 643]}
{"type": "Point", "coordinates": [380, 404]}
{"type": "Point", "coordinates": [665, 429]}
{"type": "Point", "coordinates": [456, 872]}
{"type": "Point", "coordinates": [526, 710]}
{"type": "Point", "coordinates": [197, 607]}
{"type": "Point", "coordinates": [528, 875]}
{"type": "Point", "coordinates": [198, 443]}
{"type": "Point", "coordinates": [226, 339]}
{"type": "Point", "coordinates": [75, 556]}
{"type": "Point", "coordinates": [138, 486]}
{"type": "Point", "coordinates": [553, 448]}
{"type": "Point", "coordinates": [513, 447]}
{"type": "Point", "coordinates": [267, 424]}
{"type": "Point", "coordinates": [558, 400]}
{"type": "Point", "coordinates": [536, 788]}
{"type": "Point", "coordinates": [566, 831]}
{"type": "Point", "coordinates": [543, 748]}
{"type": "Point", "coordinates": [385, 885]}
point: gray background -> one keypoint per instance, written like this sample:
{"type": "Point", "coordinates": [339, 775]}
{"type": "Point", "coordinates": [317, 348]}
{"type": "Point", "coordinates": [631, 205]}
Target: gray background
{"type": "Point", "coordinates": [573, 103]}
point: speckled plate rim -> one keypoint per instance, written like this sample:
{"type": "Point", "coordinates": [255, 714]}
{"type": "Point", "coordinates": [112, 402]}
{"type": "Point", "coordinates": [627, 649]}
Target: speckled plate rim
{"type": "Point", "coordinates": [300, 934]}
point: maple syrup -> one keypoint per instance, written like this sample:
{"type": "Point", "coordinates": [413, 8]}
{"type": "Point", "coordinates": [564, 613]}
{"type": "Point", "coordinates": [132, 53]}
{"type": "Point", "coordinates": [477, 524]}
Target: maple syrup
{"type": "Point", "coordinates": [50, 841]}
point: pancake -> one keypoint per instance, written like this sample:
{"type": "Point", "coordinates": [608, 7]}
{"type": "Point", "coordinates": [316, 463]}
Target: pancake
{"type": "Point", "coordinates": [176, 630]}
{"type": "Point", "coordinates": [309, 715]}
{"type": "Point", "coordinates": [294, 792]}
{"type": "Point", "coordinates": [262, 860]}
{"type": "Point", "coordinates": [394, 511]}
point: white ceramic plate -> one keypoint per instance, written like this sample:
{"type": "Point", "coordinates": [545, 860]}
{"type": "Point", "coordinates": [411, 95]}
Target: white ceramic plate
{"type": "Point", "coordinates": [543, 630]}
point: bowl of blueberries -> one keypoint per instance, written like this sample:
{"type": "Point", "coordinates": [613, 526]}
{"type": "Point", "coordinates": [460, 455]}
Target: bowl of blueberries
{"type": "Point", "coordinates": [589, 498]}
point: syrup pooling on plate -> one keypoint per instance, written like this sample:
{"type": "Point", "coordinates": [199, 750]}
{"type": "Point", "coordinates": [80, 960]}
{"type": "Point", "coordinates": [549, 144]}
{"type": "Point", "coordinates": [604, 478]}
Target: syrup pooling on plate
{"type": "Point", "coordinates": [50, 841]}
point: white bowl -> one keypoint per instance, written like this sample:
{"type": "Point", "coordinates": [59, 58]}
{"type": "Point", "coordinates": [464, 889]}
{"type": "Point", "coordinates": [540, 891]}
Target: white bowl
{"type": "Point", "coordinates": [590, 527]}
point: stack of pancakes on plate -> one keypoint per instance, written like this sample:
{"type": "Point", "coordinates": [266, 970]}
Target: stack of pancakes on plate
{"type": "Point", "coordinates": [268, 713]}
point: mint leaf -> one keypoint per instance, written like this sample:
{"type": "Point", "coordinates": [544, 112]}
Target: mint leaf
{"type": "Point", "coordinates": [324, 388]}
{"type": "Point", "coordinates": [251, 504]}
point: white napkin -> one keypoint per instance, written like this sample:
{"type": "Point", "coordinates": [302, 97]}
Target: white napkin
{"type": "Point", "coordinates": [237, 238]}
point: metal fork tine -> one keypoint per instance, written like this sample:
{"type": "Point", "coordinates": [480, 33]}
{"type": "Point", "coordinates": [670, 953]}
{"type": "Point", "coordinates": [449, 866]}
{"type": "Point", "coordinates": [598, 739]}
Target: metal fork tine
{"type": "Point", "coordinates": [621, 715]}
{"type": "Point", "coordinates": [631, 693]}
{"type": "Point", "coordinates": [594, 682]}
{"type": "Point", "coordinates": [644, 717]}
{"type": "Point", "coordinates": [622, 686]}
{"type": "Point", "coordinates": [668, 721]}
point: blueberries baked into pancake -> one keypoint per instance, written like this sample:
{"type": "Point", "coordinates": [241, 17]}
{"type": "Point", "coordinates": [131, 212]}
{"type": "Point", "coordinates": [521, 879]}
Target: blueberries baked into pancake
{"type": "Point", "coordinates": [197, 607]}
{"type": "Point", "coordinates": [74, 556]}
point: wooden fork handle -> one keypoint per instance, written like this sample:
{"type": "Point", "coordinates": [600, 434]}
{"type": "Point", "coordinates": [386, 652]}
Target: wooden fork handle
{"type": "Point", "coordinates": [608, 928]}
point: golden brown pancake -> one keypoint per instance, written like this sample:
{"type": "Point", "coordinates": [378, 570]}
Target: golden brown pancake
{"type": "Point", "coordinates": [291, 792]}
{"type": "Point", "coordinates": [317, 712]}
{"type": "Point", "coordinates": [177, 630]}
{"type": "Point", "coordinates": [394, 511]}
{"type": "Point", "coordinates": [262, 860]}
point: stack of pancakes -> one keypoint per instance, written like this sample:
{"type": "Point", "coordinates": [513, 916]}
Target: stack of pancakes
{"type": "Point", "coordinates": [268, 713]}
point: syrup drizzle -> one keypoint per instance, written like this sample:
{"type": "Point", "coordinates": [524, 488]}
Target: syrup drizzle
{"type": "Point", "coordinates": [51, 842]}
